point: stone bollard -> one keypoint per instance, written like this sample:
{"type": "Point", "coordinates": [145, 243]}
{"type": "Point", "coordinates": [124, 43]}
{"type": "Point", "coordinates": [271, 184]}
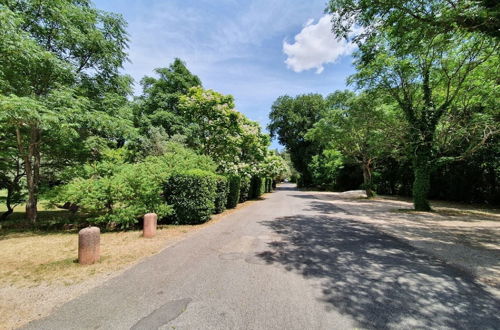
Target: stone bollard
{"type": "Point", "coordinates": [149, 228]}
{"type": "Point", "coordinates": [89, 240]}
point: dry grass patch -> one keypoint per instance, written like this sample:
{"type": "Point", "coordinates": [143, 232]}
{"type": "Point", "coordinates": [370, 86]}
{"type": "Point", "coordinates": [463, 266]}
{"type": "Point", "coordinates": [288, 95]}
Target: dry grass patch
{"type": "Point", "coordinates": [31, 259]}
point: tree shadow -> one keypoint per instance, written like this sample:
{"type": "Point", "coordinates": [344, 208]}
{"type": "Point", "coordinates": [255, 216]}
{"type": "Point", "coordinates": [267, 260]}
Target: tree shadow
{"type": "Point", "coordinates": [379, 281]}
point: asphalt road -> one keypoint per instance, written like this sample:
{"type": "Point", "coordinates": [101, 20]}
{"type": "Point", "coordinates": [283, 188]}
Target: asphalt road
{"type": "Point", "coordinates": [290, 261]}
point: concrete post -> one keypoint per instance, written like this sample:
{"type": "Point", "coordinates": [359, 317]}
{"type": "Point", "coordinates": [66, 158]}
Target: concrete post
{"type": "Point", "coordinates": [89, 241]}
{"type": "Point", "coordinates": [150, 222]}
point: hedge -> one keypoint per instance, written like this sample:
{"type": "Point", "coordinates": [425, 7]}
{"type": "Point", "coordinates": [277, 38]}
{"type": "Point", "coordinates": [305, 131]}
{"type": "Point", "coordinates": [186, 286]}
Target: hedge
{"type": "Point", "coordinates": [256, 187]}
{"type": "Point", "coordinates": [192, 194]}
{"type": "Point", "coordinates": [244, 189]}
{"type": "Point", "coordinates": [222, 191]}
{"type": "Point", "coordinates": [269, 187]}
{"type": "Point", "coordinates": [262, 186]}
{"type": "Point", "coordinates": [233, 196]}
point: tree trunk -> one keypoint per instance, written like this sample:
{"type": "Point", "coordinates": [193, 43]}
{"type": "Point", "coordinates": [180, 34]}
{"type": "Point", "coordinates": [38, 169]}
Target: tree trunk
{"type": "Point", "coordinates": [32, 169]}
{"type": "Point", "coordinates": [8, 203]}
{"type": "Point", "coordinates": [422, 181]}
{"type": "Point", "coordinates": [367, 179]}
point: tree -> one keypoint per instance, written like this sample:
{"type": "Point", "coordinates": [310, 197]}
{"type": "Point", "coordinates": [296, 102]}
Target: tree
{"type": "Point", "coordinates": [481, 16]}
{"type": "Point", "coordinates": [361, 128]}
{"type": "Point", "coordinates": [291, 118]}
{"type": "Point", "coordinates": [48, 49]}
{"type": "Point", "coordinates": [158, 105]}
{"type": "Point", "coordinates": [214, 122]}
{"type": "Point", "coordinates": [424, 72]}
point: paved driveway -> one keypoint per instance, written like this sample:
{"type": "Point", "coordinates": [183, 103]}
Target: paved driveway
{"type": "Point", "coordinates": [288, 262]}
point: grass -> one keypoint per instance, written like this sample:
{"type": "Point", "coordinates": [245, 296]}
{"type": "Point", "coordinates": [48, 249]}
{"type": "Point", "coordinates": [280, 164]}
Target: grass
{"type": "Point", "coordinates": [30, 259]}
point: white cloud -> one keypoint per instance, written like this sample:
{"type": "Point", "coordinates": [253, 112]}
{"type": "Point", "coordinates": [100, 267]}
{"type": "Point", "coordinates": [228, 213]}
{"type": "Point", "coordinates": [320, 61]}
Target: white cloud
{"type": "Point", "coordinates": [315, 46]}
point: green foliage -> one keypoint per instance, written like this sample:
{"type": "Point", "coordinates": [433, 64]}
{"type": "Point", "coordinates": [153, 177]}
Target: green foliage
{"type": "Point", "coordinates": [222, 192]}
{"type": "Point", "coordinates": [119, 193]}
{"type": "Point", "coordinates": [257, 186]}
{"type": "Point", "coordinates": [158, 106]}
{"type": "Point", "coordinates": [291, 118]}
{"type": "Point", "coordinates": [428, 69]}
{"type": "Point", "coordinates": [325, 168]}
{"type": "Point", "coordinates": [233, 197]}
{"type": "Point", "coordinates": [192, 195]}
{"type": "Point", "coordinates": [269, 185]}
{"type": "Point", "coordinates": [438, 15]}
{"type": "Point", "coordinates": [245, 189]}
{"type": "Point", "coordinates": [54, 55]}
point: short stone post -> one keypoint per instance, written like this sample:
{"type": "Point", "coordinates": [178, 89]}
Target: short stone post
{"type": "Point", "coordinates": [89, 241]}
{"type": "Point", "coordinates": [150, 222]}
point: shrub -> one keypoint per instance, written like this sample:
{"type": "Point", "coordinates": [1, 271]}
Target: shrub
{"type": "Point", "coordinates": [256, 187]}
{"type": "Point", "coordinates": [263, 186]}
{"type": "Point", "coordinates": [234, 191]}
{"type": "Point", "coordinates": [221, 194]}
{"type": "Point", "coordinates": [192, 195]}
{"type": "Point", "coordinates": [244, 189]}
{"type": "Point", "coordinates": [269, 187]}
{"type": "Point", "coordinates": [115, 193]}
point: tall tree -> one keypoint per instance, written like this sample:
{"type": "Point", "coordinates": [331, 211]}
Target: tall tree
{"type": "Point", "coordinates": [291, 118]}
{"type": "Point", "coordinates": [48, 48]}
{"type": "Point", "coordinates": [422, 66]}
{"type": "Point", "coordinates": [158, 106]}
{"type": "Point", "coordinates": [361, 127]}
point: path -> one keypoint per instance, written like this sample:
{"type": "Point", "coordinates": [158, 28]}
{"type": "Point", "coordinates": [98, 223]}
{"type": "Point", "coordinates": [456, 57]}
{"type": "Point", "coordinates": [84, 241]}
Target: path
{"type": "Point", "coordinates": [291, 261]}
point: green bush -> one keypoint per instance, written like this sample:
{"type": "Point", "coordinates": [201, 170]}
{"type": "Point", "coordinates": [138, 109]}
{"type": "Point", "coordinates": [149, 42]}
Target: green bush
{"type": "Point", "coordinates": [263, 186]}
{"type": "Point", "coordinates": [269, 187]}
{"type": "Point", "coordinates": [234, 191]}
{"type": "Point", "coordinates": [192, 195]}
{"type": "Point", "coordinates": [244, 189]}
{"type": "Point", "coordinates": [117, 193]}
{"type": "Point", "coordinates": [257, 187]}
{"type": "Point", "coordinates": [221, 194]}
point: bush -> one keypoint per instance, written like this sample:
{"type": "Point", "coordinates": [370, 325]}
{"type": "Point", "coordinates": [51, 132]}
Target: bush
{"type": "Point", "coordinates": [244, 189]}
{"type": "Point", "coordinates": [300, 182]}
{"type": "Point", "coordinates": [256, 187]}
{"type": "Point", "coordinates": [233, 197]}
{"type": "Point", "coordinates": [117, 194]}
{"type": "Point", "coordinates": [269, 186]}
{"type": "Point", "coordinates": [192, 195]}
{"type": "Point", "coordinates": [221, 194]}
{"type": "Point", "coordinates": [263, 186]}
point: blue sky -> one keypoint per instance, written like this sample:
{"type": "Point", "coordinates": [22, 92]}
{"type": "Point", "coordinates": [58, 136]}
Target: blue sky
{"type": "Point", "coordinates": [255, 50]}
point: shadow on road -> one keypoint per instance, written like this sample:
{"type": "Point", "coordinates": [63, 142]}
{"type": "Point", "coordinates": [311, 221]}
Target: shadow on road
{"type": "Point", "coordinates": [379, 281]}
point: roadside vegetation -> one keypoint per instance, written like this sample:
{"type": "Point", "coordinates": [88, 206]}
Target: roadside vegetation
{"type": "Point", "coordinates": [77, 148]}
{"type": "Point", "coordinates": [424, 118]}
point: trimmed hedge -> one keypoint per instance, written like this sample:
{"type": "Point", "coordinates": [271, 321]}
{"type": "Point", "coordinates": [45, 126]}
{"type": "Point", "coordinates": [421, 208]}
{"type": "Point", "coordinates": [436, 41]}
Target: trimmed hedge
{"type": "Point", "coordinates": [192, 195]}
{"type": "Point", "coordinates": [244, 189]}
{"type": "Point", "coordinates": [269, 187]}
{"type": "Point", "coordinates": [221, 194]}
{"type": "Point", "coordinates": [233, 196]}
{"type": "Point", "coordinates": [256, 187]}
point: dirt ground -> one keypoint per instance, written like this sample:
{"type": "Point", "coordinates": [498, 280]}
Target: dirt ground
{"type": "Point", "coordinates": [465, 236]}
{"type": "Point", "coordinates": [39, 272]}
